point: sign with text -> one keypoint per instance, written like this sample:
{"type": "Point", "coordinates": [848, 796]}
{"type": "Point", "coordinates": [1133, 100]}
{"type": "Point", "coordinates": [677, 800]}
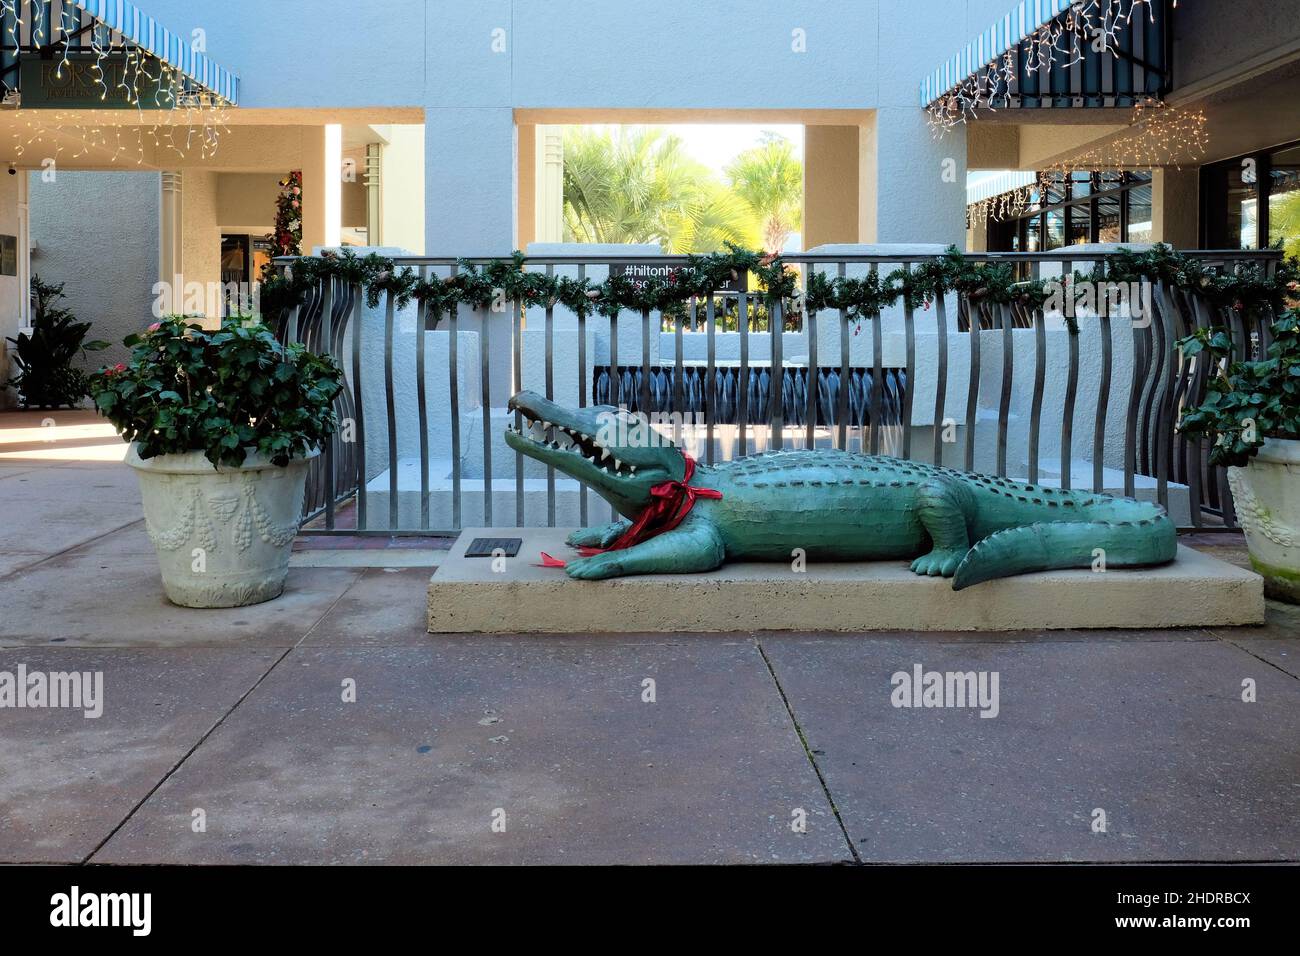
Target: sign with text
{"type": "Point", "coordinates": [638, 272]}
{"type": "Point", "coordinates": [87, 82]}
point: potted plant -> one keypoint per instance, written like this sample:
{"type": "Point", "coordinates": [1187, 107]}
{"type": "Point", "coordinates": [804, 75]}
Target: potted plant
{"type": "Point", "coordinates": [222, 424]}
{"type": "Point", "coordinates": [46, 376]}
{"type": "Point", "coordinates": [1252, 410]}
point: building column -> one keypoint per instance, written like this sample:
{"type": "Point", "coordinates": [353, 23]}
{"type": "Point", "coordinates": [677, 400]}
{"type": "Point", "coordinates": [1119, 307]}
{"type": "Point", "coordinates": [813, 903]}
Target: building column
{"type": "Point", "coordinates": [830, 185]}
{"type": "Point", "coordinates": [471, 178]}
{"type": "Point", "coordinates": [322, 187]}
{"type": "Point", "coordinates": [24, 251]}
{"type": "Point", "coordinates": [528, 164]}
{"type": "Point", "coordinates": [171, 234]}
{"type": "Point", "coordinates": [374, 182]}
{"type": "Point", "coordinates": [549, 214]}
{"type": "Point", "coordinates": [911, 185]}
{"type": "Point", "coordinates": [1175, 206]}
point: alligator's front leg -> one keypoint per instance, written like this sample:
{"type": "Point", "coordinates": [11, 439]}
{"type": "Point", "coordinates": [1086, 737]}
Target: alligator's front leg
{"type": "Point", "coordinates": [692, 546]}
{"type": "Point", "coordinates": [600, 536]}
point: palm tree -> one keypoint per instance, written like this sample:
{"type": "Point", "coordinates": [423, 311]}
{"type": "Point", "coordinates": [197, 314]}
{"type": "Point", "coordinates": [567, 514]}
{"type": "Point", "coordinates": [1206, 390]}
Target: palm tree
{"type": "Point", "coordinates": [637, 184]}
{"type": "Point", "coordinates": [713, 217]}
{"type": "Point", "coordinates": [1284, 221]}
{"type": "Point", "coordinates": [769, 178]}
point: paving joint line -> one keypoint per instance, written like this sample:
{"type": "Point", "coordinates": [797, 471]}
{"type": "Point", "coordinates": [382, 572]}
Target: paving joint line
{"type": "Point", "coordinates": [1232, 642]}
{"type": "Point", "coordinates": [812, 760]}
{"type": "Point", "coordinates": [69, 549]}
{"type": "Point", "coordinates": [213, 729]}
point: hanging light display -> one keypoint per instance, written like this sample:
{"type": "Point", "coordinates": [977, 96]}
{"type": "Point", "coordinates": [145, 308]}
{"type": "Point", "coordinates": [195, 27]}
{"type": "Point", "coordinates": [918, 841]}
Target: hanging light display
{"type": "Point", "coordinates": [1095, 25]}
{"type": "Point", "coordinates": [173, 114]}
{"type": "Point", "coordinates": [1158, 134]}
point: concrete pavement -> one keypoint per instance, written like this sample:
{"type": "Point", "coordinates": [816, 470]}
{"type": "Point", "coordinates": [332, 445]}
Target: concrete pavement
{"type": "Point", "coordinates": [327, 726]}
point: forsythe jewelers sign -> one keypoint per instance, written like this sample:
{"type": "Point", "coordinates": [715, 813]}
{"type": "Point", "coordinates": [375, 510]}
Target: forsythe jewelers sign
{"type": "Point", "coordinates": [85, 81]}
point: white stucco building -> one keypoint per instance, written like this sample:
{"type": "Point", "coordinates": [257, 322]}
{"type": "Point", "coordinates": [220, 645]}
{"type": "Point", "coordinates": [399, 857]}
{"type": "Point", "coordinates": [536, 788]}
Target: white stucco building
{"type": "Point", "coordinates": [433, 129]}
{"type": "Point", "coordinates": [437, 106]}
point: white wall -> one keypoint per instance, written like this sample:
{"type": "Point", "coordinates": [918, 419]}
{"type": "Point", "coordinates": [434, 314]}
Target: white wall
{"type": "Point", "coordinates": [98, 234]}
{"type": "Point", "coordinates": [201, 233]}
{"type": "Point", "coordinates": [402, 175]}
{"type": "Point", "coordinates": [471, 65]}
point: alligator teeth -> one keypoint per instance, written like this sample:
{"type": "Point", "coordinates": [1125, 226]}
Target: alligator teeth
{"type": "Point", "coordinates": [633, 468]}
{"type": "Point", "coordinates": [604, 453]}
{"type": "Point", "coordinates": [617, 464]}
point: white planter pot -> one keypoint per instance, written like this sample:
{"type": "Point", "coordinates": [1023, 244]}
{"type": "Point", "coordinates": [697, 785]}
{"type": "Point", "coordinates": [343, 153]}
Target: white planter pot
{"type": "Point", "coordinates": [1267, 497]}
{"type": "Point", "coordinates": [223, 535]}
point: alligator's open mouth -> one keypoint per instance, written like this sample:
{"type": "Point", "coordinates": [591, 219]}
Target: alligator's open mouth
{"type": "Point", "coordinates": [543, 434]}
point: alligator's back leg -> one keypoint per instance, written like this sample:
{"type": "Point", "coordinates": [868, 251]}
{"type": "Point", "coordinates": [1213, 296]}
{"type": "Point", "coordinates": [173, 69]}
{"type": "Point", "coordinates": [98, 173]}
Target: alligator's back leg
{"type": "Point", "coordinates": [694, 545]}
{"type": "Point", "coordinates": [939, 507]}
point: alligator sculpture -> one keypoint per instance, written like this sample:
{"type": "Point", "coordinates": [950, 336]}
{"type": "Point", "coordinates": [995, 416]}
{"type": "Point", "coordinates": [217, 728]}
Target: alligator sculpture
{"type": "Point", "coordinates": [834, 505]}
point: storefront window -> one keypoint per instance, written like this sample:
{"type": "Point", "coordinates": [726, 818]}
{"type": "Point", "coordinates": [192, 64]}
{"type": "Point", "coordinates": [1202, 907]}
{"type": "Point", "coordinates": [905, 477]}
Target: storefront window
{"type": "Point", "coordinates": [1031, 234]}
{"type": "Point", "coordinates": [1252, 201]}
{"type": "Point", "coordinates": [1055, 229]}
{"type": "Point", "coordinates": [1081, 208]}
{"type": "Point", "coordinates": [1080, 225]}
{"type": "Point", "coordinates": [1139, 215]}
{"type": "Point", "coordinates": [1284, 200]}
{"type": "Point", "coordinates": [1243, 211]}
{"type": "Point", "coordinates": [1108, 219]}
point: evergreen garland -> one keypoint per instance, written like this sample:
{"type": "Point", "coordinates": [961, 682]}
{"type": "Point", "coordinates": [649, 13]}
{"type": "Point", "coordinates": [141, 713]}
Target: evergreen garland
{"type": "Point", "coordinates": [1249, 291]}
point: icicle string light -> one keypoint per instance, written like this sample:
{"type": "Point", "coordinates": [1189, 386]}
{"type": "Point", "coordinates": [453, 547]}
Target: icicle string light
{"type": "Point", "coordinates": [181, 103]}
{"type": "Point", "coordinates": [1061, 42]}
{"type": "Point", "coordinates": [1158, 135]}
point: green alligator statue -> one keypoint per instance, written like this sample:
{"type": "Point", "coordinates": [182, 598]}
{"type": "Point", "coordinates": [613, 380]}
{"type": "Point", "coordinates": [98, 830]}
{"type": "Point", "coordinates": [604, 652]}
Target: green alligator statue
{"type": "Point", "coordinates": [833, 505]}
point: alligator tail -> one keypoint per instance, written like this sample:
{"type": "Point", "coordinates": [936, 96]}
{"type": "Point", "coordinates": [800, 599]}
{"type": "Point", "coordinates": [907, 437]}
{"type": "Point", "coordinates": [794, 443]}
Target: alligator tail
{"type": "Point", "coordinates": [1046, 546]}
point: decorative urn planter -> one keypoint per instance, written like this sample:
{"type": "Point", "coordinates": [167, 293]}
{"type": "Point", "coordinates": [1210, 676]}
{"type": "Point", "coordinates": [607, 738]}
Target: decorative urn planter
{"type": "Point", "coordinates": [223, 535]}
{"type": "Point", "coordinates": [1267, 497]}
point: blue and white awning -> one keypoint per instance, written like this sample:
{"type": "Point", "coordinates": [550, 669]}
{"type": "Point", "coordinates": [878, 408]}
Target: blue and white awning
{"type": "Point", "coordinates": [148, 34]}
{"type": "Point", "coordinates": [1058, 53]}
{"type": "Point", "coordinates": [990, 45]}
{"type": "Point", "coordinates": [982, 186]}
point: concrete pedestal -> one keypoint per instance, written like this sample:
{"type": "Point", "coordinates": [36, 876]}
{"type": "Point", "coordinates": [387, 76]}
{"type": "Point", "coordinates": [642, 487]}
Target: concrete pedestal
{"type": "Point", "coordinates": [520, 597]}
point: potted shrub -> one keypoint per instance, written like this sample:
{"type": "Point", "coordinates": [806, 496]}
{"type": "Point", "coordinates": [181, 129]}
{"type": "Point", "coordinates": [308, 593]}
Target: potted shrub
{"type": "Point", "coordinates": [222, 424]}
{"type": "Point", "coordinates": [1252, 411]}
{"type": "Point", "coordinates": [46, 376]}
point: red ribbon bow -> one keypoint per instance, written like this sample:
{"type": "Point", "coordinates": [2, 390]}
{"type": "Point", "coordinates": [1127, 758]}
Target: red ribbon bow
{"type": "Point", "coordinates": [670, 503]}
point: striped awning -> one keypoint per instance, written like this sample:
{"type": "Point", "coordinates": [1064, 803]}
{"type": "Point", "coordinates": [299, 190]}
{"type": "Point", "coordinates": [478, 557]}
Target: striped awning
{"type": "Point", "coordinates": [148, 34]}
{"type": "Point", "coordinates": [979, 188]}
{"type": "Point", "coordinates": [1002, 36]}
